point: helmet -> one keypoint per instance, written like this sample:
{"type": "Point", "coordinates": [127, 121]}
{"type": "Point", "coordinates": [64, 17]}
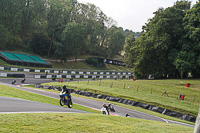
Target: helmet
{"type": "Point", "coordinates": [109, 104]}
{"type": "Point", "coordinates": [64, 86]}
{"type": "Point", "coordinates": [104, 105]}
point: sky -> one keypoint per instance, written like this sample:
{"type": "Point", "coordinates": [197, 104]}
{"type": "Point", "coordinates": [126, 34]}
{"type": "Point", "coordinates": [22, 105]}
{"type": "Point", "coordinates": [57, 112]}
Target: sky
{"type": "Point", "coordinates": [131, 14]}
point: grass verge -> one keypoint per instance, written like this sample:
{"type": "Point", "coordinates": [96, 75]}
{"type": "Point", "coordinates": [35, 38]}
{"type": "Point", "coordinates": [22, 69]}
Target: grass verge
{"type": "Point", "coordinates": [50, 122]}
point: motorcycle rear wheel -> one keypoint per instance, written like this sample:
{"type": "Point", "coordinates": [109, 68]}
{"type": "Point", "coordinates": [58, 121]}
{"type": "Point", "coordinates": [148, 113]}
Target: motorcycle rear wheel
{"type": "Point", "coordinates": [70, 104]}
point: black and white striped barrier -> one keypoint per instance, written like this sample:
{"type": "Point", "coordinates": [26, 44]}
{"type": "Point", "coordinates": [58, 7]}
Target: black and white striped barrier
{"type": "Point", "coordinates": [83, 76]}
{"type": "Point", "coordinates": [12, 75]}
{"type": "Point", "coordinates": [78, 72]}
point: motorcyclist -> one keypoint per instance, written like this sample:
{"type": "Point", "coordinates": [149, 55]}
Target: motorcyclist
{"type": "Point", "coordinates": [104, 105]}
{"type": "Point", "coordinates": [65, 89]}
{"type": "Point", "coordinates": [109, 105]}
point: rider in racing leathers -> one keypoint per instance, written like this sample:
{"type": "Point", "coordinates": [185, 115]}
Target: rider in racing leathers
{"type": "Point", "coordinates": [104, 105]}
{"type": "Point", "coordinates": [66, 90]}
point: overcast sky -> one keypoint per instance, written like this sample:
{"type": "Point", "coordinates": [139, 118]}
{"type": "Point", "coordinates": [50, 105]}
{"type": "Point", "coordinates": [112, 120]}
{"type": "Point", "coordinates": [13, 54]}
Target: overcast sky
{"type": "Point", "coordinates": [131, 14]}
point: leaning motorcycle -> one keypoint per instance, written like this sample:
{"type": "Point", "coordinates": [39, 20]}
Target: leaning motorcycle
{"type": "Point", "coordinates": [65, 99]}
{"type": "Point", "coordinates": [104, 111]}
{"type": "Point", "coordinates": [111, 108]}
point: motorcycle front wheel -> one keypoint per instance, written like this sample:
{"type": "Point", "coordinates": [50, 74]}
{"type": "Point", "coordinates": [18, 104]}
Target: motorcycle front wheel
{"type": "Point", "coordinates": [62, 102]}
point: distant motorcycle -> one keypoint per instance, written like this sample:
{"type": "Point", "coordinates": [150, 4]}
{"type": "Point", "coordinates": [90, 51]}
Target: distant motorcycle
{"type": "Point", "coordinates": [54, 78]}
{"type": "Point", "coordinates": [14, 81]}
{"type": "Point", "coordinates": [104, 111]}
{"type": "Point", "coordinates": [23, 80]}
{"type": "Point", "coordinates": [65, 99]}
{"type": "Point", "coordinates": [111, 108]}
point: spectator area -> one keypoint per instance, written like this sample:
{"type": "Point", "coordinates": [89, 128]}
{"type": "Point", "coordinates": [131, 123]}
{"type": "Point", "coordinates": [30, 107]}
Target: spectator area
{"type": "Point", "coordinates": [24, 60]}
{"type": "Point", "coordinates": [10, 56]}
{"type": "Point", "coordinates": [36, 58]}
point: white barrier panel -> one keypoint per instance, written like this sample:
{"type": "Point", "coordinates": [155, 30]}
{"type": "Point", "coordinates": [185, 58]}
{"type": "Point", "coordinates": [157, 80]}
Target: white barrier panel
{"type": "Point", "coordinates": [129, 73]}
{"type": "Point", "coordinates": [86, 76]}
{"type": "Point", "coordinates": [47, 71]}
{"type": "Point", "coordinates": [95, 72]}
{"type": "Point", "coordinates": [107, 77]}
{"type": "Point", "coordinates": [37, 71]}
{"type": "Point", "coordinates": [49, 76]}
{"type": "Point", "coordinates": [14, 69]}
{"type": "Point", "coordinates": [101, 72]}
{"type": "Point", "coordinates": [26, 70]}
{"type": "Point", "coordinates": [64, 71]}
{"type": "Point", "coordinates": [119, 73]}
{"type": "Point", "coordinates": [113, 73]}
{"type": "Point", "coordinates": [59, 76]}
{"type": "Point", "coordinates": [127, 76]}
{"type": "Point", "coordinates": [3, 74]}
{"type": "Point", "coordinates": [93, 76]}
{"type": "Point", "coordinates": [1, 68]}
{"type": "Point", "coordinates": [37, 76]}
{"type": "Point", "coordinates": [80, 72]}
{"type": "Point", "coordinates": [100, 77]}
{"type": "Point", "coordinates": [124, 73]}
{"type": "Point", "coordinates": [73, 72]}
{"type": "Point", "coordinates": [107, 73]}
{"type": "Point", "coordinates": [88, 73]}
{"type": "Point", "coordinates": [68, 76]}
{"type": "Point", "coordinates": [56, 71]}
{"type": "Point", "coordinates": [77, 76]}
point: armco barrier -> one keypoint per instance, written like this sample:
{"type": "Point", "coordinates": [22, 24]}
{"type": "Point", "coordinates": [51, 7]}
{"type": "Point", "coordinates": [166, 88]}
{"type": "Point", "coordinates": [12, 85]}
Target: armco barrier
{"type": "Point", "coordinates": [125, 101]}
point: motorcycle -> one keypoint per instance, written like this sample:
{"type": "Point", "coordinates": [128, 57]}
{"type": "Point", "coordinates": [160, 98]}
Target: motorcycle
{"type": "Point", "coordinates": [104, 111]}
{"type": "Point", "coordinates": [23, 80]}
{"type": "Point", "coordinates": [14, 81]}
{"type": "Point", "coordinates": [65, 99]}
{"type": "Point", "coordinates": [111, 108]}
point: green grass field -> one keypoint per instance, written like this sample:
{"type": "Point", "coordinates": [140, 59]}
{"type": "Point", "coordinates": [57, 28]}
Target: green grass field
{"type": "Point", "coordinates": [140, 90]}
{"type": "Point", "coordinates": [61, 122]}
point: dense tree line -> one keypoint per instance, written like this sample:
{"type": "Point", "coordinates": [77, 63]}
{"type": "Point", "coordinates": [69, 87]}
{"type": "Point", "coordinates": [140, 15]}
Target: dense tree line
{"type": "Point", "coordinates": [59, 28]}
{"type": "Point", "coordinates": [169, 45]}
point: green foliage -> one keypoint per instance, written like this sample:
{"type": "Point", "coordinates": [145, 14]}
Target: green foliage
{"type": "Point", "coordinates": [92, 61]}
{"type": "Point", "coordinates": [39, 43]}
{"type": "Point", "coordinates": [169, 44]}
{"type": "Point", "coordinates": [64, 28]}
{"type": "Point", "coordinates": [72, 41]}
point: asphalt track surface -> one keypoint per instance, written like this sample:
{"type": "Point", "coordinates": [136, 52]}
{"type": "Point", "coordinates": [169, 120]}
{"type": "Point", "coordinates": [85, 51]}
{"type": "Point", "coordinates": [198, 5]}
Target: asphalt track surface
{"type": "Point", "coordinates": [15, 105]}
{"type": "Point", "coordinates": [120, 111]}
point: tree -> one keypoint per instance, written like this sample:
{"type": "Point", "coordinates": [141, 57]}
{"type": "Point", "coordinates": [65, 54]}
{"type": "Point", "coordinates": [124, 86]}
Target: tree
{"type": "Point", "coordinates": [72, 40]}
{"type": "Point", "coordinates": [189, 56]}
{"type": "Point", "coordinates": [39, 43]}
{"type": "Point", "coordinates": [115, 41]}
{"type": "Point", "coordinates": [161, 37]}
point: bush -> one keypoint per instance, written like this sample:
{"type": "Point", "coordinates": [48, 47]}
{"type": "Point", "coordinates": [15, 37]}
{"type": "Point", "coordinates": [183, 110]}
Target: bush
{"type": "Point", "coordinates": [92, 61]}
